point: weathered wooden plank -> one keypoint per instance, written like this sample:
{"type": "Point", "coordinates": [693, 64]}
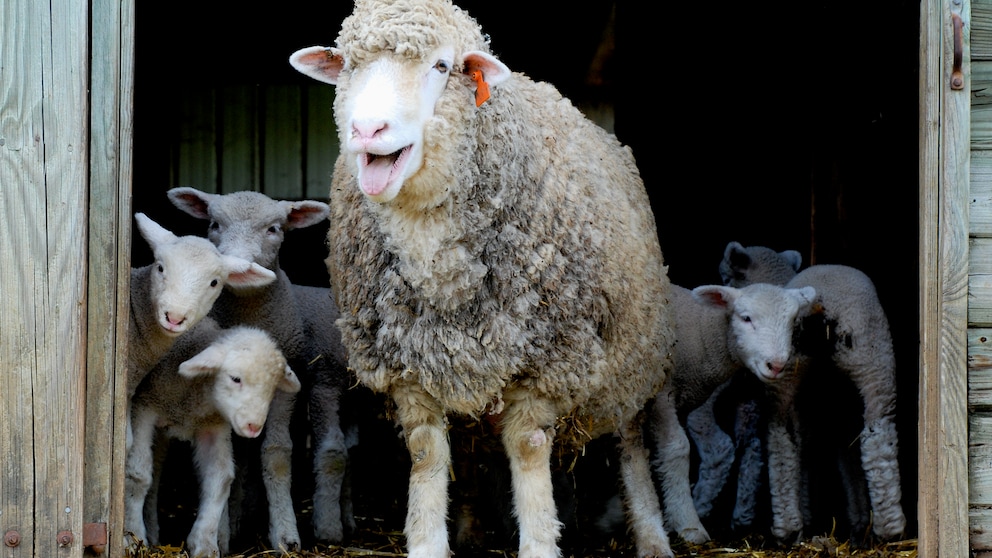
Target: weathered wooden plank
{"type": "Point", "coordinates": [981, 30]}
{"type": "Point", "coordinates": [322, 145]}
{"type": "Point", "coordinates": [980, 201]}
{"type": "Point", "coordinates": [282, 149]}
{"type": "Point", "coordinates": [109, 270]}
{"type": "Point", "coordinates": [980, 282]}
{"type": "Point", "coordinates": [21, 204]}
{"type": "Point", "coordinates": [944, 189]}
{"type": "Point", "coordinates": [980, 368]}
{"type": "Point", "coordinates": [239, 131]}
{"type": "Point", "coordinates": [197, 165]}
{"type": "Point", "coordinates": [980, 459]}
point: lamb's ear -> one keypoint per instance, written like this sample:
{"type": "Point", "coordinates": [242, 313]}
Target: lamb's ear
{"type": "Point", "coordinates": [493, 71]}
{"type": "Point", "coordinates": [243, 273]}
{"type": "Point", "coordinates": [153, 233]}
{"type": "Point", "coordinates": [207, 362]}
{"type": "Point", "coordinates": [305, 213]}
{"type": "Point", "coordinates": [321, 63]}
{"type": "Point", "coordinates": [716, 295]}
{"type": "Point", "coordinates": [793, 258]}
{"type": "Point", "coordinates": [192, 201]}
{"type": "Point", "coordinates": [289, 383]}
{"type": "Point", "coordinates": [736, 255]}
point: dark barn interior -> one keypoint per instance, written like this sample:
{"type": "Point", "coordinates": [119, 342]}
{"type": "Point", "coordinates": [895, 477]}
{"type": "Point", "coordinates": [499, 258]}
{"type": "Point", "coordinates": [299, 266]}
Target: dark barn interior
{"type": "Point", "coordinates": [790, 128]}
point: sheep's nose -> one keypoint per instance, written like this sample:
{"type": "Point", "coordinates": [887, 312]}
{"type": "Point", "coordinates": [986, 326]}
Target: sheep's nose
{"type": "Point", "coordinates": [174, 321]}
{"type": "Point", "coordinates": [775, 368]}
{"type": "Point", "coordinates": [365, 130]}
{"type": "Point", "coordinates": [253, 428]}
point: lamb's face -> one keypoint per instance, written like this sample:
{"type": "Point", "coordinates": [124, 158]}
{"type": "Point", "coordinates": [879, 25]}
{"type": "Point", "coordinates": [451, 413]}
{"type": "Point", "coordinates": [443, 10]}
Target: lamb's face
{"type": "Point", "coordinates": [762, 320]}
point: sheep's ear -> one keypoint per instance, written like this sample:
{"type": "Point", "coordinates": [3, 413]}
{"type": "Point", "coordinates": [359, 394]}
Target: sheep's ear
{"type": "Point", "coordinates": [793, 258]}
{"type": "Point", "coordinates": [192, 201]}
{"type": "Point", "coordinates": [493, 71]}
{"type": "Point", "coordinates": [716, 295]}
{"type": "Point", "coordinates": [305, 213]}
{"type": "Point", "coordinates": [243, 273]}
{"type": "Point", "coordinates": [289, 383]}
{"type": "Point", "coordinates": [321, 63]}
{"type": "Point", "coordinates": [205, 363]}
{"type": "Point", "coordinates": [736, 255]}
{"type": "Point", "coordinates": [808, 299]}
{"type": "Point", "coordinates": [153, 233]}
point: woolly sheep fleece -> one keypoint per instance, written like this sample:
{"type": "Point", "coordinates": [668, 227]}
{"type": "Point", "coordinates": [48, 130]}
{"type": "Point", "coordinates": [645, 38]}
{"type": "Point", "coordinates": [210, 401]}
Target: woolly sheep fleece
{"type": "Point", "coordinates": [545, 269]}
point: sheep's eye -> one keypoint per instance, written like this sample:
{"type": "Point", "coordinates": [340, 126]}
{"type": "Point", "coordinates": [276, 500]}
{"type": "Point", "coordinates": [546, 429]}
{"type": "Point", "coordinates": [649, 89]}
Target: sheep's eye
{"type": "Point", "coordinates": [161, 268]}
{"type": "Point", "coordinates": [273, 229]}
{"type": "Point", "coordinates": [214, 225]}
{"type": "Point", "coordinates": [236, 379]}
{"type": "Point", "coordinates": [746, 319]}
{"type": "Point", "coordinates": [442, 66]}
{"type": "Point", "coordinates": [213, 283]}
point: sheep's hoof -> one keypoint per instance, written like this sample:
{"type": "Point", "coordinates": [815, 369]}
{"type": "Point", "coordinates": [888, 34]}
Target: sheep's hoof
{"type": "Point", "coordinates": [695, 535]}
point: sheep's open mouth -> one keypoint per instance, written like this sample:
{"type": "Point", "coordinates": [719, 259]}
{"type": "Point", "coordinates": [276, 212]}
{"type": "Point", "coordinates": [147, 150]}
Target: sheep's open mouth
{"type": "Point", "coordinates": [377, 172]}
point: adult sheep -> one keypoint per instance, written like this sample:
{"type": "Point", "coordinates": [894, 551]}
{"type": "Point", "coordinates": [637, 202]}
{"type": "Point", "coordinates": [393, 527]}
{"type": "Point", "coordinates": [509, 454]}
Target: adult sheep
{"type": "Point", "coordinates": [491, 251]}
{"type": "Point", "coordinates": [853, 336]}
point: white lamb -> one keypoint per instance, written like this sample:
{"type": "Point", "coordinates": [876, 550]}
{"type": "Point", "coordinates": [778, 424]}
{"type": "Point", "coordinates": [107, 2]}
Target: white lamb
{"type": "Point", "coordinates": [176, 291]}
{"type": "Point", "coordinates": [212, 380]}
{"type": "Point", "coordinates": [301, 318]}
{"type": "Point", "coordinates": [720, 331]}
{"type": "Point", "coordinates": [492, 251]}
{"type": "Point", "coordinates": [854, 335]}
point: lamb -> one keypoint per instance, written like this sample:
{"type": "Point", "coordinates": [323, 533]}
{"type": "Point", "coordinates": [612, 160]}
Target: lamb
{"type": "Point", "coordinates": [171, 295]}
{"type": "Point", "coordinates": [720, 331]}
{"type": "Point", "coordinates": [252, 225]}
{"type": "Point", "coordinates": [492, 251]}
{"type": "Point", "coordinates": [211, 381]}
{"type": "Point", "coordinates": [854, 337]}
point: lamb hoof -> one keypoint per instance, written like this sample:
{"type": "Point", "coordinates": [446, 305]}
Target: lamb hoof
{"type": "Point", "coordinates": [695, 535]}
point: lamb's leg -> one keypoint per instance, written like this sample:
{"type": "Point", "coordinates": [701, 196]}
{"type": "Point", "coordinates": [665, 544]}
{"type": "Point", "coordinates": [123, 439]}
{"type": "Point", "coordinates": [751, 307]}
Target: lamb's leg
{"type": "Point", "coordinates": [880, 448]}
{"type": "Point", "coordinates": [330, 464]}
{"type": "Point", "coordinates": [748, 446]}
{"type": "Point", "coordinates": [161, 451]}
{"type": "Point", "coordinates": [672, 465]}
{"type": "Point", "coordinates": [425, 432]}
{"type": "Point", "coordinates": [643, 508]}
{"type": "Point", "coordinates": [528, 434]}
{"type": "Point", "coordinates": [138, 479]}
{"type": "Point", "coordinates": [214, 460]}
{"type": "Point", "coordinates": [277, 472]}
{"type": "Point", "coordinates": [784, 467]}
{"type": "Point", "coordinates": [716, 454]}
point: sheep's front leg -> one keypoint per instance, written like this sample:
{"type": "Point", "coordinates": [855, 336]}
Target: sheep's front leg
{"type": "Point", "coordinates": [214, 460]}
{"type": "Point", "coordinates": [747, 433]}
{"type": "Point", "coordinates": [138, 479]}
{"type": "Point", "coordinates": [425, 432]}
{"type": "Point", "coordinates": [330, 502]}
{"type": "Point", "coordinates": [277, 472]}
{"type": "Point", "coordinates": [672, 466]}
{"type": "Point", "coordinates": [784, 467]}
{"type": "Point", "coordinates": [716, 454]}
{"type": "Point", "coordinates": [643, 508]}
{"type": "Point", "coordinates": [528, 435]}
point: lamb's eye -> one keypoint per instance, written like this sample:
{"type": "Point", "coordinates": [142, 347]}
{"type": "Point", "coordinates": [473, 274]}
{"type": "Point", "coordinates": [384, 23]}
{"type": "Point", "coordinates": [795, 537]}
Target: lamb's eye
{"type": "Point", "coordinates": [274, 229]}
{"type": "Point", "coordinates": [214, 226]}
{"type": "Point", "coordinates": [161, 268]}
{"type": "Point", "coordinates": [213, 283]}
{"type": "Point", "coordinates": [442, 66]}
{"type": "Point", "coordinates": [746, 319]}
{"type": "Point", "coordinates": [236, 379]}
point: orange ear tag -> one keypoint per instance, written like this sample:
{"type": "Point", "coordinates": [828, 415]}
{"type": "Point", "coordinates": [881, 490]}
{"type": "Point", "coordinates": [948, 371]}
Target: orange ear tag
{"type": "Point", "coordinates": [481, 88]}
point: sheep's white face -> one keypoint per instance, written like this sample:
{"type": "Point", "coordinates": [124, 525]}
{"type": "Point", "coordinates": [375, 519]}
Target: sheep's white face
{"type": "Point", "coordinates": [189, 274]}
{"type": "Point", "coordinates": [388, 105]}
{"type": "Point", "coordinates": [247, 369]}
{"type": "Point", "coordinates": [762, 318]}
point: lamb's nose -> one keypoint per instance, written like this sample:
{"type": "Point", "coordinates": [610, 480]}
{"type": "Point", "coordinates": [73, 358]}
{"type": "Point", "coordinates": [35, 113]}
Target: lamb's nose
{"type": "Point", "coordinates": [775, 368]}
{"type": "Point", "coordinates": [365, 130]}
{"type": "Point", "coordinates": [174, 321]}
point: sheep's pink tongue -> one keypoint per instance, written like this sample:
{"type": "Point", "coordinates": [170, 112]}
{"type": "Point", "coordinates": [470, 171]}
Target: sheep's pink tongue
{"type": "Point", "coordinates": [375, 176]}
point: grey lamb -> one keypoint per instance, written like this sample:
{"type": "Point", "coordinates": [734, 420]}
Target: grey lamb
{"type": "Point", "coordinates": [492, 251]}
{"type": "Point", "coordinates": [252, 225]}
{"type": "Point", "coordinates": [860, 345]}
{"type": "Point", "coordinates": [211, 381]}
